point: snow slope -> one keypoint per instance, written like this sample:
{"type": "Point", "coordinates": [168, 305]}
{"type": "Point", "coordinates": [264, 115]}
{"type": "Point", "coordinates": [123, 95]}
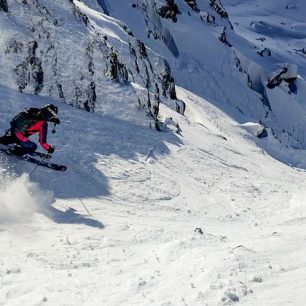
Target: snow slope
{"type": "Point", "coordinates": [205, 218]}
{"type": "Point", "coordinates": [278, 25]}
{"type": "Point", "coordinates": [78, 51]}
{"type": "Point", "coordinates": [227, 60]}
{"type": "Point", "coordinates": [211, 216]}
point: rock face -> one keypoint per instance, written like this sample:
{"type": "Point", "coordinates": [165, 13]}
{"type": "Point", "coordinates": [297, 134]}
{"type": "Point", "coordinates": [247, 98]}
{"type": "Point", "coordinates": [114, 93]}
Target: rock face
{"type": "Point", "coordinates": [95, 53]}
{"type": "Point", "coordinates": [169, 10]}
{"type": "Point", "coordinates": [29, 71]}
{"type": "Point", "coordinates": [3, 6]}
{"type": "Point", "coordinates": [60, 52]}
{"type": "Point", "coordinates": [152, 14]}
{"type": "Point", "coordinates": [192, 4]}
{"type": "Point", "coordinates": [286, 72]}
{"type": "Point", "coordinates": [217, 6]}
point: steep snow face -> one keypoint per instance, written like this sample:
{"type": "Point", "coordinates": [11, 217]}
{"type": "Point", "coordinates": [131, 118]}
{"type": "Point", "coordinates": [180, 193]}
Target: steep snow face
{"type": "Point", "coordinates": [235, 51]}
{"type": "Point", "coordinates": [82, 57]}
{"type": "Point", "coordinates": [276, 25]}
{"type": "Point", "coordinates": [276, 65]}
{"type": "Point", "coordinates": [92, 53]}
{"type": "Point", "coordinates": [202, 218]}
{"type": "Point", "coordinates": [199, 61]}
{"type": "Point", "coordinates": [205, 217]}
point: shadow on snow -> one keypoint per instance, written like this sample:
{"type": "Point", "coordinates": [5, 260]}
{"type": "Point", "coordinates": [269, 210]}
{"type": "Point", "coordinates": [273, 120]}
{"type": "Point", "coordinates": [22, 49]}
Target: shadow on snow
{"type": "Point", "coordinates": [82, 140]}
{"type": "Point", "coordinates": [70, 216]}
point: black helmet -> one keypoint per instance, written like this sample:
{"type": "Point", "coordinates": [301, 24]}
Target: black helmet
{"type": "Point", "coordinates": [49, 111]}
{"type": "Point", "coordinates": [52, 109]}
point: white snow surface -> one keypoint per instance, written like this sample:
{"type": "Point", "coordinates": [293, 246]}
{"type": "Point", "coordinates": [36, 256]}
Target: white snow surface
{"type": "Point", "coordinates": [202, 218]}
{"type": "Point", "coordinates": [210, 216]}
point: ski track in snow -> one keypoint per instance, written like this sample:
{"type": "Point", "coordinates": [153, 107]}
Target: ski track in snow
{"type": "Point", "coordinates": [149, 194]}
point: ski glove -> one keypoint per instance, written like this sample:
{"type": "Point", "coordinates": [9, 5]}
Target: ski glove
{"type": "Point", "coordinates": [51, 149]}
{"type": "Point", "coordinates": [55, 120]}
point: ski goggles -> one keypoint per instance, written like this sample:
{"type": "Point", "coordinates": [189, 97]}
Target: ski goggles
{"type": "Point", "coordinates": [52, 112]}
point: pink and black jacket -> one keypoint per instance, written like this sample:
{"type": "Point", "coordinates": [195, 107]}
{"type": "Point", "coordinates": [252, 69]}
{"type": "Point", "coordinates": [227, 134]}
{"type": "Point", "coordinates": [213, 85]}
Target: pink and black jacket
{"type": "Point", "coordinates": [40, 127]}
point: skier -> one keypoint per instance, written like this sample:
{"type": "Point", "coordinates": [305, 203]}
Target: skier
{"type": "Point", "coordinates": [27, 123]}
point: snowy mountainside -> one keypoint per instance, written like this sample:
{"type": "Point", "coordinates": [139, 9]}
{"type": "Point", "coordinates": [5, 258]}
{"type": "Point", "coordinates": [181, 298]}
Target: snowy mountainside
{"type": "Point", "coordinates": [246, 63]}
{"type": "Point", "coordinates": [175, 220]}
{"type": "Point", "coordinates": [201, 216]}
{"type": "Point", "coordinates": [279, 26]}
{"type": "Point", "coordinates": [236, 50]}
{"type": "Point", "coordinates": [277, 30]}
{"type": "Point", "coordinates": [80, 56]}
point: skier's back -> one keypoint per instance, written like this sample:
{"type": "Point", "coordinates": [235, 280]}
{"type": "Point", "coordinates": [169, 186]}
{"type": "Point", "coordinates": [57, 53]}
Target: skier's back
{"type": "Point", "coordinates": [27, 123]}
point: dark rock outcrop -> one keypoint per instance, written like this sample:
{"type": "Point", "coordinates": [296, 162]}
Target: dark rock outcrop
{"type": "Point", "coordinates": [116, 70]}
{"type": "Point", "coordinates": [3, 6]}
{"type": "Point", "coordinates": [264, 52]}
{"type": "Point", "coordinates": [277, 79]}
{"type": "Point", "coordinates": [167, 81]}
{"type": "Point", "coordinates": [223, 38]}
{"type": "Point", "coordinates": [155, 28]}
{"type": "Point", "coordinates": [169, 11]}
{"type": "Point", "coordinates": [193, 5]}
{"type": "Point", "coordinates": [80, 71]}
{"type": "Point", "coordinates": [217, 7]}
{"type": "Point", "coordinates": [30, 70]}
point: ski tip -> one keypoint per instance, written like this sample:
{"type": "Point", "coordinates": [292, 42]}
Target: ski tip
{"type": "Point", "coordinates": [62, 168]}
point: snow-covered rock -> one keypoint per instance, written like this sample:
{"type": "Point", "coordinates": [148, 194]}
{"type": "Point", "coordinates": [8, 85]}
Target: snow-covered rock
{"type": "Point", "coordinates": [68, 51]}
{"type": "Point", "coordinates": [255, 129]}
{"type": "Point", "coordinates": [3, 6]}
{"type": "Point", "coordinates": [78, 51]}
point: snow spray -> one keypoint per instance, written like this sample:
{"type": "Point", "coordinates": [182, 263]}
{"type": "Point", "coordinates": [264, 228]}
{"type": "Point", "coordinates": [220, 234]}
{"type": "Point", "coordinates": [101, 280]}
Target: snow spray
{"type": "Point", "coordinates": [20, 199]}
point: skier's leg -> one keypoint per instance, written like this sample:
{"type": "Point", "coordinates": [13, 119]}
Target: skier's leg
{"type": "Point", "coordinates": [24, 147]}
{"type": "Point", "coordinates": [28, 146]}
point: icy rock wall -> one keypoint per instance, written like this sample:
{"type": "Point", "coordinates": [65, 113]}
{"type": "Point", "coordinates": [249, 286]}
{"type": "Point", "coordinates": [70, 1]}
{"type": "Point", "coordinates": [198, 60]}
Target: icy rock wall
{"type": "Point", "coordinates": [60, 50]}
{"type": "Point", "coordinates": [3, 6]}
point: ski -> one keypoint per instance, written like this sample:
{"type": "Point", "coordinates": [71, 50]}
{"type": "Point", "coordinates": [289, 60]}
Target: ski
{"type": "Point", "coordinates": [10, 151]}
{"type": "Point", "coordinates": [41, 154]}
{"type": "Point", "coordinates": [31, 159]}
{"type": "Point", "coordinates": [47, 164]}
